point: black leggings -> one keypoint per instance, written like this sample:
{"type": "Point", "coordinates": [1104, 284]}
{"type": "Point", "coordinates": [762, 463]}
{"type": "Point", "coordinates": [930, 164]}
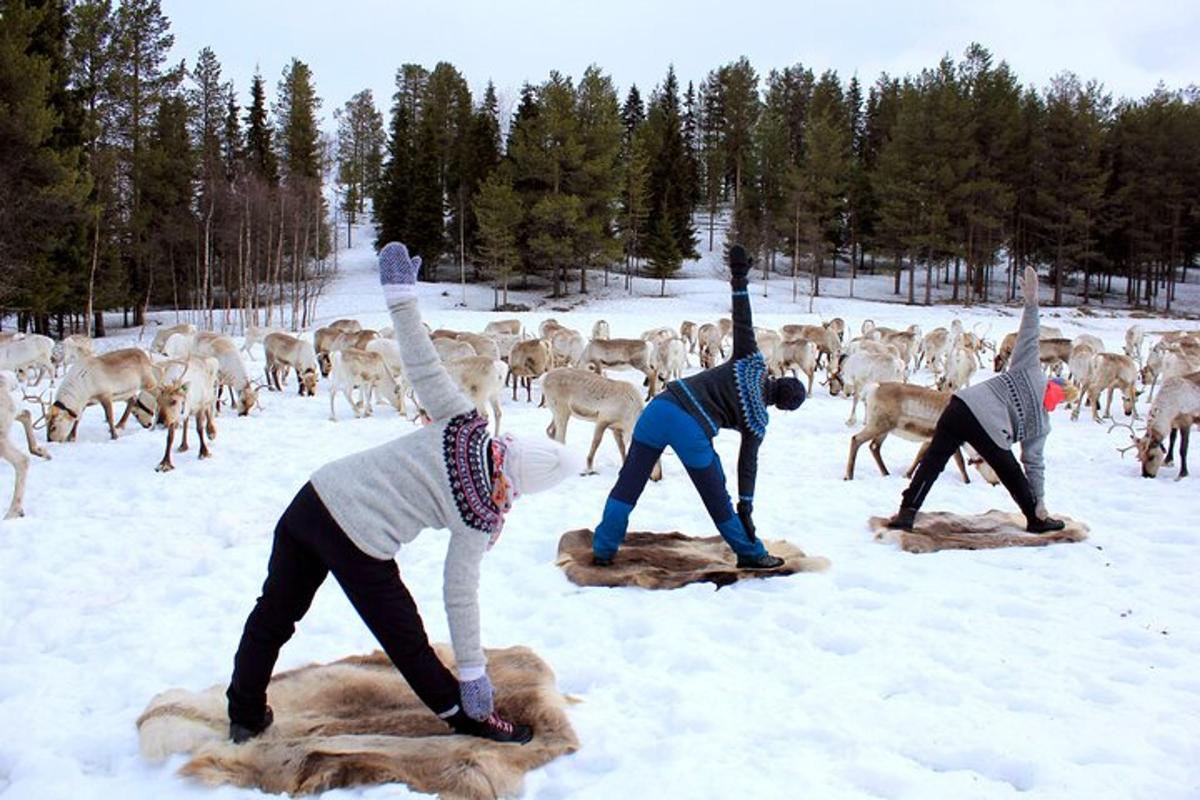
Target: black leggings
{"type": "Point", "coordinates": [309, 544]}
{"type": "Point", "coordinates": [957, 426]}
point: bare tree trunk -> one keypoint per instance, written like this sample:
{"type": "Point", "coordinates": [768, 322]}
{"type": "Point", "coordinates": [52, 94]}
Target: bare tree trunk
{"type": "Point", "coordinates": [91, 298]}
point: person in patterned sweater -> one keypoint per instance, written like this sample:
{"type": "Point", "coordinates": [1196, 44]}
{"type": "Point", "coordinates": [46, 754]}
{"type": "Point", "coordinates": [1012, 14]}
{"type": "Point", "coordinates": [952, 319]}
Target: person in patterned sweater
{"type": "Point", "coordinates": [686, 417]}
{"type": "Point", "coordinates": [354, 515]}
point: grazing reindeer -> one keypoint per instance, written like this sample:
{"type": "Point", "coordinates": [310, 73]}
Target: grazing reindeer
{"type": "Point", "coordinates": [256, 334]}
{"type": "Point", "coordinates": [286, 352]}
{"type": "Point", "coordinates": [368, 371]}
{"type": "Point", "coordinates": [829, 346]}
{"type": "Point", "coordinates": [567, 346]}
{"type": "Point", "coordinates": [162, 335]}
{"type": "Point", "coordinates": [481, 379]}
{"type": "Point", "coordinates": [505, 327]}
{"type": "Point", "coordinates": [687, 332]}
{"type": "Point", "coordinates": [621, 354]}
{"type": "Point", "coordinates": [1080, 362]}
{"type": "Point", "coordinates": [799, 356]}
{"type": "Point", "coordinates": [104, 379]}
{"type": "Point", "coordinates": [1169, 360]}
{"type": "Point", "coordinates": [188, 392]}
{"type": "Point", "coordinates": [960, 366]}
{"type": "Point", "coordinates": [712, 349]}
{"type": "Point", "coordinates": [1054, 353]}
{"type": "Point", "coordinates": [10, 453]}
{"type": "Point", "coordinates": [669, 357]}
{"type": "Point", "coordinates": [232, 373]}
{"type": "Point", "coordinates": [838, 326]}
{"type": "Point", "coordinates": [1175, 410]}
{"type": "Point", "coordinates": [1109, 371]}
{"type": "Point", "coordinates": [482, 344]}
{"type": "Point", "coordinates": [528, 361]}
{"type": "Point", "coordinates": [858, 370]}
{"type": "Point", "coordinates": [328, 340]}
{"type": "Point", "coordinates": [1133, 343]}
{"type": "Point", "coordinates": [909, 411]}
{"type": "Point", "coordinates": [28, 352]}
{"type": "Point", "coordinates": [451, 349]}
{"type": "Point", "coordinates": [770, 344]}
{"type": "Point", "coordinates": [1010, 341]}
{"type": "Point", "coordinates": [346, 325]}
{"type": "Point", "coordinates": [612, 405]}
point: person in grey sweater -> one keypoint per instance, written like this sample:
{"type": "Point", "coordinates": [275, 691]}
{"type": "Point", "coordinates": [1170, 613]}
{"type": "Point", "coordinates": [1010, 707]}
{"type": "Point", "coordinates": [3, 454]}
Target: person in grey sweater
{"type": "Point", "coordinates": [355, 514]}
{"type": "Point", "coordinates": [992, 416]}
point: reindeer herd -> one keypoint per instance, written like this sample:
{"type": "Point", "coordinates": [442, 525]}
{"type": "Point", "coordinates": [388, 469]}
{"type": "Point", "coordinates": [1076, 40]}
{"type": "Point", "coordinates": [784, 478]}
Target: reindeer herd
{"type": "Point", "coordinates": [181, 380]}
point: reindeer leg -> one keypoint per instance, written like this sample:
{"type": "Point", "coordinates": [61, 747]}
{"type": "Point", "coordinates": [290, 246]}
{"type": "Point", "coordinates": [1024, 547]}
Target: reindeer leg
{"type": "Point", "coordinates": [204, 451]}
{"type": "Point", "coordinates": [106, 404]}
{"type": "Point", "coordinates": [1170, 459]}
{"type": "Point", "coordinates": [962, 465]}
{"type": "Point", "coordinates": [876, 448]}
{"type": "Point", "coordinates": [128, 412]}
{"type": "Point", "coordinates": [620, 437]}
{"type": "Point", "coordinates": [165, 465]}
{"type": "Point", "coordinates": [920, 454]}
{"type": "Point", "coordinates": [853, 409]}
{"type": "Point", "coordinates": [184, 446]}
{"type": "Point", "coordinates": [597, 435]}
{"type": "Point", "coordinates": [855, 443]}
{"type": "Point", "coordinates": [1108, 403]}
{"type": "Point", "coordinates": [20, 465]}
{"type": "Point", "coordinates": [1183, 447]}
{"type": "Point", "coordinates": [26, 420]}
{"type": "Point", "coordinates": [496, 410]}
{"type": "Point", "coordinates": [210, 425]}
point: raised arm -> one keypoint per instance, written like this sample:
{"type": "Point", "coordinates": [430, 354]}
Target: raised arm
{"type": "Point", "coordinates": [1025, 352]}
{"type": "Point", "coordinates": [437, 392]}
{"type": "Point", "coordinates": [744, 342]}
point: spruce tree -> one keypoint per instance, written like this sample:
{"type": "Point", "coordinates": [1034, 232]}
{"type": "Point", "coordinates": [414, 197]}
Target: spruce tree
{"type": "Point", "coordinates": [260, 149]}
{"type": "Point", "coordinates": [668, 174]}
{"type": "Point", "coordinates": [597, 180]}
{"type": "Point", "coordinates": [499, 212]}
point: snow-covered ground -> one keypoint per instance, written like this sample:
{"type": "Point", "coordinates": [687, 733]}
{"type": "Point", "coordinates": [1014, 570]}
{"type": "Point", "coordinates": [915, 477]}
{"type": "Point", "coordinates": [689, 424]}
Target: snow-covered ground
{"type": "Point", "coordinates": [1063, 672]}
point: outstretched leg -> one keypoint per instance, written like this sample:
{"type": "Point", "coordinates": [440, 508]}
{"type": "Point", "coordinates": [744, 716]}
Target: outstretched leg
{"type": "Point", "coordinates": [639, 463]}
{"type": "Point", "coordinates": [947, 438]}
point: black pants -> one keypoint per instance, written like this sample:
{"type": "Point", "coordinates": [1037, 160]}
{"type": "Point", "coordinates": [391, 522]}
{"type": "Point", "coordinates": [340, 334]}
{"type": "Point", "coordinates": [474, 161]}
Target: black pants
{"type": "Point", "coordinates": [309, 544]}
{"type": "Point", "coordinates": [956, 426]}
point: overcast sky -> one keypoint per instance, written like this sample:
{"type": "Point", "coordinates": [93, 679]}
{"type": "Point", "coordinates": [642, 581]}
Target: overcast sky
{"type": "Point", "coordinates": [354, 44]}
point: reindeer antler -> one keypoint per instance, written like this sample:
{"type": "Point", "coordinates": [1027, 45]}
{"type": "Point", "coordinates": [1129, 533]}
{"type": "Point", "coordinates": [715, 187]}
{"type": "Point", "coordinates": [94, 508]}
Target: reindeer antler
{"type": "Point", "coordinates": [1133, 434]}
{"type": "Point", "coordinates": [43, 403]}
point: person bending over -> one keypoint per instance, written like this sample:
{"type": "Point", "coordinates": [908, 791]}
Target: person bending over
{"type": "Point", "coordinates": [355, 513]}
{"type": "Point", "coordinates": [991, 417]}
{"type": "Point", "coordinates": [687, 416]}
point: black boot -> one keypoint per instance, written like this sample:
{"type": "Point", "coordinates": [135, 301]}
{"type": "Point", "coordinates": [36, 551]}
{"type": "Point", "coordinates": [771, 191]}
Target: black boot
{"type": "Point", "coordinates": [242, 733]}
{"type": "Point", "coordinates": [1046, 525]}
{"type": "Point", "coordinates": [765, 561]}
{"type": "Point", "coordinates": [601, 561]}
{"type": "Point", "coordinates": [494, 728]}
{"type": "Point", "coordinates": [904, 519]}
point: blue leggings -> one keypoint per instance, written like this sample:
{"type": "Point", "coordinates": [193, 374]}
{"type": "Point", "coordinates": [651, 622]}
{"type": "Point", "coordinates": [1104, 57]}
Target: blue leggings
{"type": "Point", "coordinates": [663, 423]}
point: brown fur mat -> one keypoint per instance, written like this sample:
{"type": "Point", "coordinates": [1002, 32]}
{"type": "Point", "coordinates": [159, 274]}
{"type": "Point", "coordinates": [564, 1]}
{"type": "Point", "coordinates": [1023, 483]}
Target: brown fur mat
{"type": "Point", "coordinates": [356, 722]}
{"type": "Point", "coordinates": [671, 560]}
{"type": "Point", "coordinates": [941, 530]}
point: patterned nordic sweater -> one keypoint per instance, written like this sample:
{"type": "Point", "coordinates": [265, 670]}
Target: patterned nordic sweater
{"type": "Point", "coordinates": [1009, 406]}
{"type": "Point", "coordinates": [732, 395]}
{"type": "Point", "coordinates": [436, 477]}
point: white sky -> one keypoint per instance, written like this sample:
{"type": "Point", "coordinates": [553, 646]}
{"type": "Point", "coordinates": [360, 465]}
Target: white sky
{"type": "Point", "coordinates": [355, 44]}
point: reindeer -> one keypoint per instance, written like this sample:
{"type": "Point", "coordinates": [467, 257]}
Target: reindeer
{"type": "Point", "coordinates": [31, 351]}
{"type": "Point", "coordinates": [669, 357]}
{"type": "Point", "coordinates": [232, 374]}
{"type": "Point", "coordinates": [547, 328]}
{"type": "Point", "coordinates": [505, 327]}
{"type": "Point", "coordinates": [858, 370]}
{"type": "Point", "coordinates": [257, 334]}
{"type": "Point", "coordinates": [75, 347]}
{"type": "Point", "coordinates": [367, 370]}
{"type": "Point", "coordinates": [11, 453]}
{"type": "Point", "coordinates": [1133, 343]}
{"type": "Point", "coordinates": [829, 346]}
{"type": "Point", "coordinates": [1175, 410]}
{"type": "Point", "coordinates": [451, 349]}
{"type": "Point", "coordinates": [688, 332]}
{"type": "Point", "coordinates": [1010, 341]}
{"type": "Point", "coordinates": [1080, 362]}
{"type": "Point", "coordinates": [911, 412]}
{"type": "Point", "coordinates": [284, 352]}
{"type": "Point", "coordinates": [1170, 359]}
{"type": "Point", "coordinates": [1109, 371]}
{"type": "Point", "coordinates": [710, 344]}
{"type": "Point", "coordinates": [104, 379]}
{"type": "Point", "coordinates": [770, 345]}
{"type": "Point", "coordinates": [621, 354]}
{"type": "Point", "coordinates": [481, 344]}
{"type": "Point", "coordinates": [567, 346]}
{"type": "Point", "coordinates": [600, 330]}
{"type": "Point", "coordinates": [163, 334]}
{"type": "Point", "coordinates": [906, 341]}
{"type": "Point", "coordinates": [934, 347]}
{"type": "Point", "coordinates": [188, 392]}
{"type": "Point", "coordinates": [528, 361]}
{"type": "Point", "coordinates": [346, 325]}
{"type": "Point", "coordinates": [798, 356]}
{"type": "Point", "coordinates": [328, 340]}
{"type": "Point", "coordinates": [612, 405]}
{"type": "Point", "coordinates": [482, 380]}
{"type": "Point", "coordinates": [838, 326]}
{"type": "Point", "coordinates": [960, 366]}
{"type": "Point", "coordinates": [1054, 353]}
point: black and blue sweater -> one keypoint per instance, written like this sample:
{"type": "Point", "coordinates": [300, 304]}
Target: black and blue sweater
{"type": "Point", "coordinates": [733, 395]}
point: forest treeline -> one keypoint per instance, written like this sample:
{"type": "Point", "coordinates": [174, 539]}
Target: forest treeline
{"type": "Point", "coordinates": [130, 183]}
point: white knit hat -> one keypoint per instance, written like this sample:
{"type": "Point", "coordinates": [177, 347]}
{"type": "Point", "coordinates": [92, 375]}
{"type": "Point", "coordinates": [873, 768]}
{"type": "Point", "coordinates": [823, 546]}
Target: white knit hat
{"type": "Point", "coordinates": [537, 463]}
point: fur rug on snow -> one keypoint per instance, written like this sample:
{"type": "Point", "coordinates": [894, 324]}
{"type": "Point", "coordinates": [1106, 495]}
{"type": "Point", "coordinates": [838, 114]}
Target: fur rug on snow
{"type": "Point", "coordinates": [671, 560]}
{"type": "Point", "coordinates": [941, 530]}
{"type": "Point", "coordinates": [356, 722]}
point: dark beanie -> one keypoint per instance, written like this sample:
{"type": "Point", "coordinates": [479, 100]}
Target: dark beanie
{"type": "Point", "coordinates": [786, 394]}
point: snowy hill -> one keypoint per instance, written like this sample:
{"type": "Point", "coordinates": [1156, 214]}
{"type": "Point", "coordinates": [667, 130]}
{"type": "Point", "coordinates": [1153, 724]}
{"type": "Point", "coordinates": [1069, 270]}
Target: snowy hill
{"type": "Point", "coordinates": [1063, 672]}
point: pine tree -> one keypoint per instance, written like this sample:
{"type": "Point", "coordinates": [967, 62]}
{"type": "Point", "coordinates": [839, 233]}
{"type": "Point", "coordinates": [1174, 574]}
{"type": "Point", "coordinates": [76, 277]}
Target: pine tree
{"type": "Point", "coordinates": [712, 154]}
{"type": "Point", "coordinates": [633, 114]}
{"type": "Point", "coordinates": [260, 150]}
{"type": "Point", "coordinates": [668, 175]}
{"type": "Point", "coordinates": [232, 143]}
{"type": "Point", "coordinates": [597, 181]}
{"type": "Point", "coordinates": [499, 211]}
{"type": "Point", "coordinates": [635, 200]}
{"type": "Point", "coordinates": [663, 257]}
{"type": "Point", "coordinates": [393, 195]}
{"type": "Point", "coordinates": [359, 141]}
{"type": "Point", "coordinates": [741, 106]}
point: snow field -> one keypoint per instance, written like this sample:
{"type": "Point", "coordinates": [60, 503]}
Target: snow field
{"type": "Point", "coordinates": [1064, 672]}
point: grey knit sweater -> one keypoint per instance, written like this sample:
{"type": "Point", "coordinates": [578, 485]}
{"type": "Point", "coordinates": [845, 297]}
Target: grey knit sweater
{"type": "Point", "coordinates": [436, 477]}
{"type": "Point", "coordinates": [1009, 406]}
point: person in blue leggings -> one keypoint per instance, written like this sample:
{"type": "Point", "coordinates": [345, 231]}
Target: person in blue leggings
{"type": "Point", "coordinates": [686, 417]}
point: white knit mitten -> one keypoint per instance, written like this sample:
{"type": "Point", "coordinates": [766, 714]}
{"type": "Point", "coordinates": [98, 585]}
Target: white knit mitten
{"type": "Point", "coordinates": [477, 697]}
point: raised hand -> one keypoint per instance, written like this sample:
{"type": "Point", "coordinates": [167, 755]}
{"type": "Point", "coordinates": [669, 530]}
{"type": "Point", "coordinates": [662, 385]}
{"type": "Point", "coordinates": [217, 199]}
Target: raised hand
{"type": "Point", "coordinates": [398, 272]}
{"type": "Point", "coordinates": [739, 262]}
{"type": "Point", "coordinates": [1029, 289]}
